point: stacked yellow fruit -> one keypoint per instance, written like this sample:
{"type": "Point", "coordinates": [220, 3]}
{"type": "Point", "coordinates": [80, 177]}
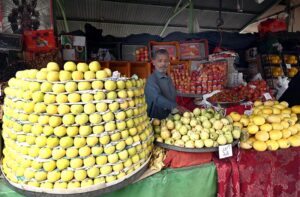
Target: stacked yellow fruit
{"type": "Point", "coordinates": [74, 127]}
{"type": "Point", "coordinates": [271, 126]}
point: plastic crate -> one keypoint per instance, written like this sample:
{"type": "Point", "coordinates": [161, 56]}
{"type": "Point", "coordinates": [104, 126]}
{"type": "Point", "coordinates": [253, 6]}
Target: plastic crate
{"type": "Point", "coordinates": [40, 40]}
{"type": "Point", "coordinates": [142, 69]}
{"type": "Point", "coordinates": [129, 52]}
{"type": "Point", "coordinates": [122, 66]}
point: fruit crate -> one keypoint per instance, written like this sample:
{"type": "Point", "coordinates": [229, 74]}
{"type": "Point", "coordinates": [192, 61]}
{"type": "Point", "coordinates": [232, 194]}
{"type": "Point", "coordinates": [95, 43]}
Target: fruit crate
{"type": "Point", "coordinates": [193, 50]}
{"type": "Point", "coordinates": [133, 52]}
{"type": "Point", "coordinates": [291, 64]}
{"type": "Point", "coordinates": [142, 69]}
{"type": "Point", "coordinates": [104, 64]}
{"type": "Point", "coordinates": [122, 66]}
{"type": "Point", "coordinates": [171, 47]}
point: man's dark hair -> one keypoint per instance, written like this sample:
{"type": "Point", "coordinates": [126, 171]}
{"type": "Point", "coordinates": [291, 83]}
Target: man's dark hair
{"type": "Point", "coordinates": [160, 52]}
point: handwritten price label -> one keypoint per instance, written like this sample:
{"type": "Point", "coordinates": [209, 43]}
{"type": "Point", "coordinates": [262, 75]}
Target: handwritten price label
{"type": "Point", "coordinates": [225, 151]}
{"type": "Point", "coordinates": [288, 66]}
{"type": "Point", "coordinates": [267, 96]}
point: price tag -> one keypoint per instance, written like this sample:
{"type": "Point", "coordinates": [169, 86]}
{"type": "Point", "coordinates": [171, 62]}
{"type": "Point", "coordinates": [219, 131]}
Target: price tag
{"type": "Point", "coordinates": [225, 151]}
{"type": "Point", "coordinates": [288, 66]}
{"type": "Point", "coordinates": [248, 112]}
{"type": "Point", "coordinates": [267, 96]}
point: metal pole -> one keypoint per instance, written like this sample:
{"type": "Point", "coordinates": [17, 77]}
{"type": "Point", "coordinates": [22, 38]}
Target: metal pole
{"type": "Point", "coordinates": [191, 17]}
{"type": "Point", "coordinates": [173, 16]}
{"type": "Point", "coordinates": [63, 15]}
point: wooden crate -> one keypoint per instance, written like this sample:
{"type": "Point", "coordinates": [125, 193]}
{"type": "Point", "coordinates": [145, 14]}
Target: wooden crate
{"type": "Point", "coordinates": [171, 47]}
{"type": "Point", "coordinates": [104, 64]}
{"type": "Point", "coordinates": [122, 66]}
{"type": "Point", "coordinates": [142, 69]}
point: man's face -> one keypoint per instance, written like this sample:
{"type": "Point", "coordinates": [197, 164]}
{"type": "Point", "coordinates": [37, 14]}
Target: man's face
{"type": "Point", "coordinates": [161, 63]}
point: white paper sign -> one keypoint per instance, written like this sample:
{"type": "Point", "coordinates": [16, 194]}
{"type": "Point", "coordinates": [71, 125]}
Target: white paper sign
{"type": "Point", "coordinates": [267, 96]}
{"type": "Point", "coordinates": [248, 112]}
{"type": "Point", "coordinates": [288, 66]}
{"type": "Point", "coordinates": [225, 151]}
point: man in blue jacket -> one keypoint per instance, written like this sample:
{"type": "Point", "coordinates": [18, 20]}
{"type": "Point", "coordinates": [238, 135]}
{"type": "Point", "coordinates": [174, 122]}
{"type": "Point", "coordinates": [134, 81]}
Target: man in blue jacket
{"type": "Point", "coordinates": [160, 91]}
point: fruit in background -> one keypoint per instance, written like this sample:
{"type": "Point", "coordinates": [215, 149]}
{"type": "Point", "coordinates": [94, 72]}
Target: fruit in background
{"type": "Point", "coordinates": [292, 72]}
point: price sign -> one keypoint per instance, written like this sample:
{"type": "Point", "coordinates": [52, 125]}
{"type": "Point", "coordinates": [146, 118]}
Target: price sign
{"type": "Point", "coordinates": [225, 151]}
{"type": "Point", "coordinates": [288, 66]}
{"type": "Point", "coordinates": [248, 112]}
{"type": "Point", "coordinates": [267, 96]}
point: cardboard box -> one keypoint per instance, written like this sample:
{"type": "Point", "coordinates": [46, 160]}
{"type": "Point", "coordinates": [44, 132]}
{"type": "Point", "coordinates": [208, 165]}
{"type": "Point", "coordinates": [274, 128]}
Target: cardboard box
{"type": "Point", "coordinates": [73, 47]}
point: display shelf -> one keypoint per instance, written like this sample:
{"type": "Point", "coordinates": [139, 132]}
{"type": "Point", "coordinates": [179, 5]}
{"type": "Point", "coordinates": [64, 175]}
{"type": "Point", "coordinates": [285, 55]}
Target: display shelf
{"type": "Point", "coordinates": [192, 150]}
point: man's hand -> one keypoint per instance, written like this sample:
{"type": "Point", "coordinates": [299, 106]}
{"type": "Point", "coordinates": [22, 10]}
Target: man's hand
{"type": "Point", "coordinates": [181, 109]}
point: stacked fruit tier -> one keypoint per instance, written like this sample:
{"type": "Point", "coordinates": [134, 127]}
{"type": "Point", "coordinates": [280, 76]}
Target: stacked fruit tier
{"type": "Point", "coordinates": [72, 128]}
{"type": "Point", "coordinates": [201, 129]}
{"type": "Point", "coordinates": [271, 126]}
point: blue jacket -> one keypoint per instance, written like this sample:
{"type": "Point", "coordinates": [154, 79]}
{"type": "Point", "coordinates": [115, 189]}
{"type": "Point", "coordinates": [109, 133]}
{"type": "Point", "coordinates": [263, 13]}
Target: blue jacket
{"type": "Point", "coordinates": [160, 95]}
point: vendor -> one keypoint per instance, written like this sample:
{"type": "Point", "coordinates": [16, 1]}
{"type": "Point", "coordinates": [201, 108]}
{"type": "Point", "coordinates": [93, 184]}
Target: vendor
{"type": "Point", "coordinates": [160, 91]}
{"type": "Point", "coordinates": [292, 93]}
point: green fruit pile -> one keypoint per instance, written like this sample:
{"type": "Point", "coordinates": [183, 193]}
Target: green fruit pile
{"type": "Point", "coordinates": [198, 129]}
{"type": "Point", "coordinates": [75, 127]}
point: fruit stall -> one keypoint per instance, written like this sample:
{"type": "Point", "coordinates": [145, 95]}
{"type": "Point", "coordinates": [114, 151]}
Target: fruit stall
{"type": "Point", "coordinates": [74, 121]}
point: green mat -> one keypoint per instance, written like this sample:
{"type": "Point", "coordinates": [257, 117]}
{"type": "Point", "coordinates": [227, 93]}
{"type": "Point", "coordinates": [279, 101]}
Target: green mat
{"type": "Point", "coordinates": [181, 182]}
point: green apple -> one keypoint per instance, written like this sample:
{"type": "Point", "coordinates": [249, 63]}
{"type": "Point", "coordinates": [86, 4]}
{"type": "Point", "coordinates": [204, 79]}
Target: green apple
{"type": "Point", "coordinates": [104, 140]}
{"type": "Point", "coordinates": [41, 75]}
{"type": "Point", "coordinates": [72, 152]}
{"type": "Point", "coordinates": [60, 185]}
{"type": "Point", "coordinates": [30, 139]}
{"type": "Point", "coordinates": [121, 125]}
{"type": "Point", "coordinates": [53, 176]}
{"type": "Point", "coordinates": [109, 179]}
{"type": "Point", "coordinates": [72, 131]}
{"type": "Point", "coordinates": [79, 142]}
{"type": "Point", "coordinates": [93, 172]}
{"type": "Point", "coordinates": [70, 66]}
{"type": "Point", "coordinates": [92, 140]}
{"type": "Point", "coordinates": [121, 175]}
{"type": "Point", "coordinates": [68, 119]}
{"type": "Point", "coordinates": [36, 165]}
{"type": "Point", "coordinates": [43, 120]}
{"type": "Point", "coordinates": [85, 131]}
{"type": "Point", "coordinates": [98, 129]}
{"type": "Point", "coordinates": [110, 126]}
{"type": "Point", "coordinates": [86, 97]}
{"type": "Point", "coordinates": [94, 66]}
{"type": "Point", "coordinates": [37, 97]}
{"type": "Point", "coordinates": [60, 131]}
{"type": "Point", "coordinates": [124, 134]}
{"type": "Point", "coordinates": [52, 142]}
{"type": "Point", "coordinates": [128, 163]}
{"type": "Point", "coordinates": [40, 175]}
{"type": "Point", "coordinates": [45, 153]}
{"type": "Point", "coordinates": [58, 153]}
{"type": "Point", "coordinates": [97, 150]}
{"type": "Point", "coordinates": [113, 158]}
{"type": "Point", "coordinates": [65, 75]}
{"type": "Point", "coordinates": [106, 170]}
{"type": "Point", "coordinates": [114, 106]}
{"type": "Point", "coordinates": [49, 98]}
{"type": "Point", "coordinates": [89, 161]}
{"type": "Point", "coordinates": [87, 182]}
{"type": "Point", "coordinates": [58, 88]}
{"type": "Point", "coordinates": [111, 95]}
{"type": "Point", "coordinates": [101, 160]}
{"type": "Point", "coordinates": [118, 167]}
{"type": "Point", "coordinates": [83, 67]}
{"type": "Point", "coordinates": [76, 109]}
{"type": "Point", "coordinates": [129, 141]}
{"type": "Point", "coordinates": [133, 131]}
{"type": "Point", "coordinates": [63, 109]}
{"type": "Point", "coordinates": [62, 163]}
{"type": "Point", "coordinates": [49, 166]}
{"type": "Point", "coordinates": [88, 75]}
{"type": "Point", "coordinates": [132, 151]}
{"type": "Point", "coordinates": [73, 185]}
{"type": "Point", "coordinates": [95, 118]}
{"type": "Point", "coordinates": [66, 142]}
{"type": "Point", "coordinates": [80, 175]}
{"type": "Point", "coordinates": [77, 75]}
{"type": "Point", "coordinates": [74, 97]}
{"type": "Point", "coordinates": [101, 74]}
{"type": "Point", "coordinates": [120, 115]}
{"type": "Point", "coordinates": [67, 175]}
{"type": "Point", "coordinates": [29, 173]}
{"type": "Point", "coordinates": [84, 151]}
{"type": "Point", "coordinates": [135, 158]}
{"type": "Point", "coordinates": [123, 155]}
{"type": "Point", "coordinates": [36, 129]}
{"type": "Point", "coordinates": [97, 85]}
{"type": "Point", "coordinates": [129, 123]}
{"type": "Point", "coordinates": [76, 163]}
{"type": "Point", "coordinates": [108, 117]}
{"type": "Point", "coordinates": [84, 85]}
{"type": "Point", "coordinates": [71, 86]}
{"type": "Point", "coordinates": [51, 109]}
{"type": "Point", "coordinates": [109, 150]}
{"type": "Point", "coordinates": [61, 98]}
{"type": "Point", "coordinates": [115, 136]}
{"type": "Point", "coordinates": [55, 121]}
{"type": "Point", "coordinates": [81, 119]}
{"type": "Point", "coordinates": [39, 108]}
{"type": "Point", "coordinates": [121, 146]}
{"type": "Point", "coordinates": [101, 107]}
{"type": "Point", "coordinates": [46, 185]}
{"type": "Point", "coordinates": [136, 138]}
{"type": "Point", "coordinates": [99, 96]}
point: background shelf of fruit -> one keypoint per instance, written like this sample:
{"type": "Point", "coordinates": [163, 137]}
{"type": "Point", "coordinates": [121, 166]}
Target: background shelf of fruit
{"type": "Point", "coordinates": [276, 66]}
{"type": "Point", "coordinates": [198, 77]}
{"type": "Point", "coordinates": [74, 128]}
{"type": "Point", "coordinates": [271, 126]}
